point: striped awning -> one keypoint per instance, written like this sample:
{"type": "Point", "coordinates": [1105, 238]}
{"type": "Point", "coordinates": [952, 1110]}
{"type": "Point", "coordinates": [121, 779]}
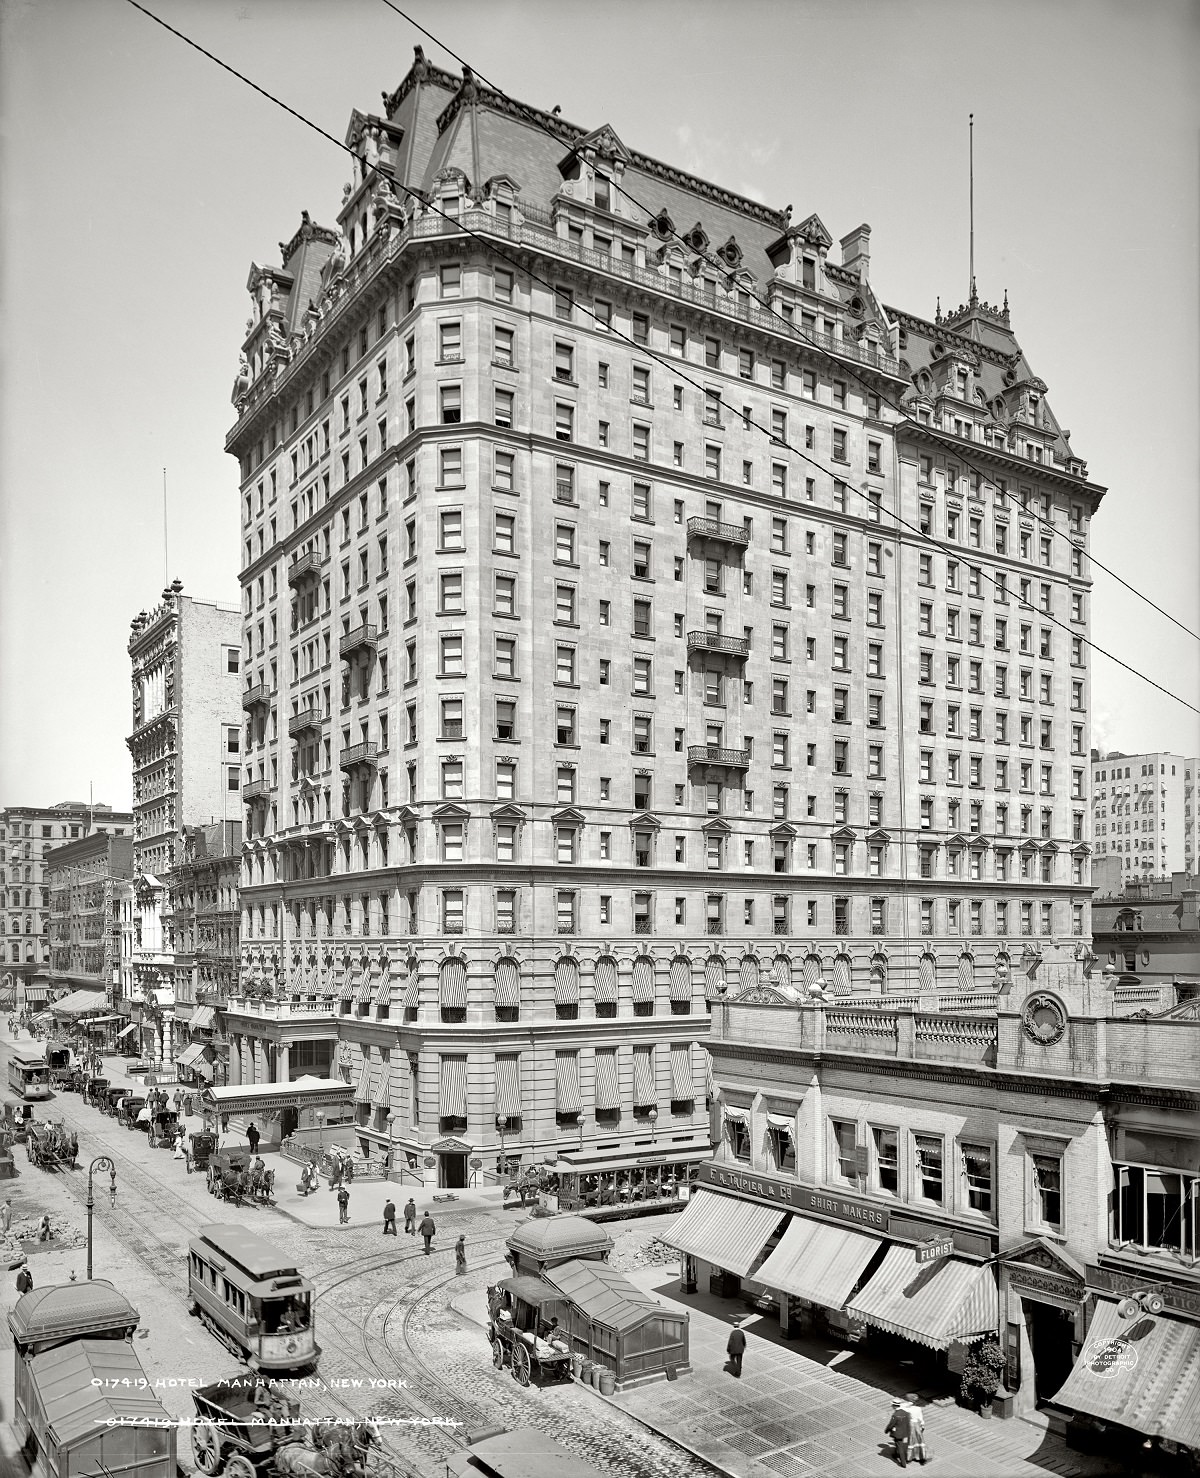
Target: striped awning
{"type": "Point", "coordinates": [643, 979]}
{"type": "Point", "coordinates": [346, 991]}
{"type": "Point", "coordinates": [608, 1088]}
{"type": "Point", "coordinates": [203, 1018]}
{"type": "Point", "coordinates": [714, 978]}
{"type": "Point", "coordinates": [723, 1230]}
{"type": "Point", "coordinates": [644, 1092]}
{"type": "Point", "coordinates": [190, 1054]}
{"type": "Point", "coordinates": [818, 1262]}
{"type": "Point", "coordinates": [452, 1088]}
{"type": "Point", "coordinates": [933, 1303]}
{"type": "Point", "coordinates": [1140, 1372]}
{"type": "Point", "coordinates": [781, 970]}
{"type": "Point", "coordinates": [383, 988]}
{"type": "Point", "coordinates": [606, 980]}
{"type": "Point", "coordinates": [508, 1086]}
{"type": "Point", "coordinates": [682, 1089]}
{"type": "Point", "coordinates": [452, 983]}
{"type": "Point", "coordinates": [566, 983]}
{"type": "Point", "coordinates": [412, 986]}
{"type": "Point", "coordinates": [681, 978]}
{"type": "Point", "coordinates": [507, 977]}
{"type": "Point", "coordinates": [709, 1086]}
{"type": "Point", "coordinates": [366, 989]}
{"type": "Point", "coordinates": [362, 1094]}
{"type": "Point", "coordinates": [748, 973]}
{"type": "Point", "coordinates": [381, 1098]}
{"type": "Point", "coordinates": [204, 1068]}
{"type": "Point", "coordinates": [566, 1072]}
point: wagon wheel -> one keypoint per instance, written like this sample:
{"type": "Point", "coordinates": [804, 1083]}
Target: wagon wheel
{"type": "Point", "coordinates": [206, 1447]}
{"type": "Point", "coordinates": [498, 1353]}
{"type": "Point", "coordinates": [520, 1365]}
{"type": "Point", "coordinates": [239, 1467]}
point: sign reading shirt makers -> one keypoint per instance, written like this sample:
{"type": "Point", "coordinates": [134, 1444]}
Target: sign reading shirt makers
{"type": "Point", "coordinates": [794, 1197]}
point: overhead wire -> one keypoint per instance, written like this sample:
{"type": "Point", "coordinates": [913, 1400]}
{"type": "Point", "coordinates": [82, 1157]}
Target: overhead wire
{"type": "Point", "coordinates": [609, 328]}
{"type": "Point", "coordinates": [787, 325]}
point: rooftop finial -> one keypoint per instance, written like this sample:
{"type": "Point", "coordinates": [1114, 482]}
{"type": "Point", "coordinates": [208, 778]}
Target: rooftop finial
{"type": "Point", "coordinates": [971, 136]}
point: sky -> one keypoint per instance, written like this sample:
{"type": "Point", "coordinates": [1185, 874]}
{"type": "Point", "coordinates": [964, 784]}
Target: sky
{"type": "Point", "coordinates": [140, 182]}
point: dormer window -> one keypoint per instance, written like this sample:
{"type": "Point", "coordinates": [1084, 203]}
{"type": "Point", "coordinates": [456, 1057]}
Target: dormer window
{"type": "Point", "coordinates": [603, 193]}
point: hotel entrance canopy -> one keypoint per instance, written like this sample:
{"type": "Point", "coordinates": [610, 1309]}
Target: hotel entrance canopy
{"type": "Point", "coordinates": [257, 1098]}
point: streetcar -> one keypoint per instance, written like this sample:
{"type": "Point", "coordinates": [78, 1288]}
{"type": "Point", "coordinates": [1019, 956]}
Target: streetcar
{"type": "Point", "coordinates": [252, 1297]}
{"type": "Point", "coordinates": [28, 1076]}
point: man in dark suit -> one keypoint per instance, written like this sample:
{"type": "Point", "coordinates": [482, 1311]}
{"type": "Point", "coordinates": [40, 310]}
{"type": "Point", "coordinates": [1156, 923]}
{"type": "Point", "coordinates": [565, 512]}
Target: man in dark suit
{"type": "Point", "coordinates": [736, 1348]}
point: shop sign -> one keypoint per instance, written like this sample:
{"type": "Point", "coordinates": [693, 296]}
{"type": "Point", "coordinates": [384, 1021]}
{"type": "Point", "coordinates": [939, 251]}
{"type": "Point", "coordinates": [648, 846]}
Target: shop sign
{"type": "Point", "coordinates": [932, 1251]}
{"type": "Point", "coordinates": [1107, 1280]}
{"type": "Point", "coordinates": [794, 1197]}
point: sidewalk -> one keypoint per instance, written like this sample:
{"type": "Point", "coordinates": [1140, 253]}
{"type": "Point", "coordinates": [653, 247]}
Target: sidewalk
{"type": "Point", "coordinates": [367, 1198]}
{"type": "Point", "coordinates": [805, 1406]}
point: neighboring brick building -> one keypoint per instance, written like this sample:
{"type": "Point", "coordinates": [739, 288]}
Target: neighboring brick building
{"type": "Point", "coordinates": [185, 747]}
{"type": "Point", "coordinates": [202, 937]}
{"type": "Point", "coordinates": [27, 836]}
{"type": "Point", "coordinates": [1144, 812]}
{"type": "Point", "coordinates": [572, 696]}
{"type": "Point", "coordinates": [1047, 1141]}
{"type": "Point", "coordinates": [85, 879]}
{"type": "Point", "coordinates": [1148, 937]}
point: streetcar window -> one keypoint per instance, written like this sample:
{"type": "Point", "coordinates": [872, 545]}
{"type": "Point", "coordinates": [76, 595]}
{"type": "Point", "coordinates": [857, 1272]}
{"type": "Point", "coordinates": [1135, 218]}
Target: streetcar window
{"type": "Point", "coordinates": [286, 1315]}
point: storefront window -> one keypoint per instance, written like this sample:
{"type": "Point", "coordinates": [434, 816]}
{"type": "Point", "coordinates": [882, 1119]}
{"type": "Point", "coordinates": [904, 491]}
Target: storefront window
{"type": "Point", "coordinates": [1156, 1209]}
{"type": "Point", "coordinates": [929, 1167]}
{"type": "Point", "coordinates": [977, 1171]}
{"type": "Point", "coordinates": [887, 1160]}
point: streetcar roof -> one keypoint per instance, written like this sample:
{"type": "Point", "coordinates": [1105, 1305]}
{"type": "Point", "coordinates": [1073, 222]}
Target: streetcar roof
{"type": "Point", "coordinates": [25, 1059]}
{"type": "Point", "coordinates": [250, 1252]}
{"type": "Point", "coordinates": [527, 1453]}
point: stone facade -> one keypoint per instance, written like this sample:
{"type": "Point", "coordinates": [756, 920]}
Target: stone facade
{"type": "Point", "coordinates": [85, 878]}
{"type": "Point", "coordinates": [572, 696]}
{"type": "Point", "coordinates": [1148, 941]}
{"type": "Point", "coordinates": [1144, 812]}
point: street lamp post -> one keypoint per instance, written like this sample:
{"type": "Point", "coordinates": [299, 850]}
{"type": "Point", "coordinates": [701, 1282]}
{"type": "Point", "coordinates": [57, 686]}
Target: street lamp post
{"type": "Point", "coordinates": [320, 1135]}
{"type": "Point", "coordinates": [101, 1162]}
{"type": "Point", "coordinates": [391, 1119]}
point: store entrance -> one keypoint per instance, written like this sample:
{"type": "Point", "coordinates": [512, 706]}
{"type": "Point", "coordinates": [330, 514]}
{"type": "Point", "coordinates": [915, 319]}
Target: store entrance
{"type": "Point", "coordinates": [452, 1171]}
{"type": "Point", "coordinates": [1051, 1331]}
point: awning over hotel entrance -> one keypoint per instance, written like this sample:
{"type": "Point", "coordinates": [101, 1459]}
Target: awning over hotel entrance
{"type": "Point", "coordinates": [934, 1303]}
{"type": "Point", "coordinates": [818, 1262]}
{"type": "Point", "coordinates": [723, 1230]}
{"type": "Point", "coordinates": [257, 1098]}
{"type": "Point", "coordinates": [1141, 1372]}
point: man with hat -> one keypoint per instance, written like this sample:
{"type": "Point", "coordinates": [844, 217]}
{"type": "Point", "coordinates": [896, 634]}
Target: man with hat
{"type": "Point", "coordinates": [899, 1429]}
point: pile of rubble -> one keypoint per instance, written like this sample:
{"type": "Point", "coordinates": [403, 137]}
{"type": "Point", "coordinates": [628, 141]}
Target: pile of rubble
{"type": "Point", "coordinates": [62, 1232]}
{"type": "Point", "coordinates": [641, 1250]}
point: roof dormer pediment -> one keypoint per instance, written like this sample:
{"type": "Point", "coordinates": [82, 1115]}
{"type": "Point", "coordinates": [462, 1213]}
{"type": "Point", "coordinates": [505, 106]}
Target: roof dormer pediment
{"type": "Point", "coordinates": [568, 816]}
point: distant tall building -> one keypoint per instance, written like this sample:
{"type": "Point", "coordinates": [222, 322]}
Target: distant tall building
{"type": "Point", "coordinates": [88, 880]}
{"type": "Point", "coordinates": [1144, 812]}
{"type": "Point", "coordinates": [27, 836]}
{"type": "Point", "coordinates": [574, 696]}
{"type": "Point", "coordinates": [185, 746]}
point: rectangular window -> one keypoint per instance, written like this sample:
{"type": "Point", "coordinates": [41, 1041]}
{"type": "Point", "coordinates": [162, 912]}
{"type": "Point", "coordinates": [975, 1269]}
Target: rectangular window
{"type": "Point", "coordinates": [928, 1149]}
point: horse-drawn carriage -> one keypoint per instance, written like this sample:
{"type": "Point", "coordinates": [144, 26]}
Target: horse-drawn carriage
{"type": "Point", "coordinates": [163, 1129]}
{"type": "Point", "coordinates": [201, 1146]}
{"type": "Point", "coordinates": [528, 1183]}
{"type": "Point", "coordinates": [128, 1110]}
{"type": "Point", "coordinates": [233, 1177]}
{"type": "Point", "coordinates": [248, 1428]}
{"type": "Point", "coordinates": [50, 1144]}
{"type": "Point", "coordinates": [95, 1092]}
{"type": "Point", "coordinates": [58, 1060]}
{"type": "Point", "coordinates": [110, 1103]}
{"type": "Point", "coordinates": [519, 1313]}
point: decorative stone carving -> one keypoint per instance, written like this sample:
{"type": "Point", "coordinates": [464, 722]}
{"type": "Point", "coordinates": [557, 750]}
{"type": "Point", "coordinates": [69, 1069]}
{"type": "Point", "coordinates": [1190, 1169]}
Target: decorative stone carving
{"type": "Point", "coordinates": [1044, 1020]}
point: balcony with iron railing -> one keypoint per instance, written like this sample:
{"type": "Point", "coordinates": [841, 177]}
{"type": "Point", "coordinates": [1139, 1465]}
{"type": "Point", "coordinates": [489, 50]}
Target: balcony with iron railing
{"type": "Point", "coordinates": [714, 641]}
{"type": "Point", "coordinates": [641, 926]}
{"type": "Point", "coordinates": [362, 638]}
{"type": "Point", "coordinates": [308, 720]}
{"type": "Point", "coordinates": [366, 753]}
{"type": "Point", "coordinates": [714, 926]}
{"type": "Point", "coordinates": [259, 696]}
{"type": "Point", "coordinates": [722, 533]}
{"type": "Point", "coordinates": [841, 926]}
{"type": "Point", "coordinates": [780, 926]}
{"type": "Point", "coordinates": [256, 792]}
{"type": "Point", "coordinates": [568, 927]}
{"type": "Point", "coordinates": [305, 567]}
{"type": "Point", "coordinates": [714, 754]}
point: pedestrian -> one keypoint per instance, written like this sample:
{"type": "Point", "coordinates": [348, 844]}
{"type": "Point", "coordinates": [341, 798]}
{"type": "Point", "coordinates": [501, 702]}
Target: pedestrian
{"type": "Point", "coordinates": [389, 1218]}
{"type": "Point", "coordinates": [6, 1216]}
{"type": "Point", "coordinates": [916, 1442]}
{"type": "Point", "coordinates": [410, 1217]}
{"type": "Point", "coordinates": [252, 1138]}
{"type": "Point", "coordinates": [43, 1231]}
{"type": "Point", "coordinates": [24, 1281]}
{"type": "Point", "coordinates": [460, 1255]}
{"type": "Point", "coordinates": [179, 1151]}
{"type": "Point", "coordinates": [427, 1230]}
{"type": "Point", "coordinates": [343, 1200]}
{"type": "Point", "coordinates": [736, 1348]}
{"type": "Point", "coordinates": [179, 1100]}
{"type": "Point", "coordinates": [899, 1429]}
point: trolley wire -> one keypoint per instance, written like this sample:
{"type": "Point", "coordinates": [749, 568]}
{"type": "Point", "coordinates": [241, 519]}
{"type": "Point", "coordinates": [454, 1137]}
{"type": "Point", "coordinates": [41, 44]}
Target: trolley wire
{"type": "Point", "coordinates": [674, 368]}
{"type": "Point", "coordinates": [787, 325]}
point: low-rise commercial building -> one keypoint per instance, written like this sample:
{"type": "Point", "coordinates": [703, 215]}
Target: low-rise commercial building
{"type": "Point", "coordinates": [1148, 938]}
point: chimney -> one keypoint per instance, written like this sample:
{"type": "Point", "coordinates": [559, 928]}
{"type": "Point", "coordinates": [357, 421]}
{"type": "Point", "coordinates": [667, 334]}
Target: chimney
{"type": "Point", "coordinates": [856, 251]}
{"type": "Point", "coordinates": [1189, 913]}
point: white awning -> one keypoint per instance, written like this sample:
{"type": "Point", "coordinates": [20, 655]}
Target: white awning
{"type": "Point", "coordinates": [818, 1262]}
{"type": "Point", "coordinates": [723, 1230]}
{"type": "Point", "coordinates": [190, 1054]}
{"type": "Point", "coordinates": [203, 1018]}
{"type": "Point", "coordinates": [125, 1030]}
